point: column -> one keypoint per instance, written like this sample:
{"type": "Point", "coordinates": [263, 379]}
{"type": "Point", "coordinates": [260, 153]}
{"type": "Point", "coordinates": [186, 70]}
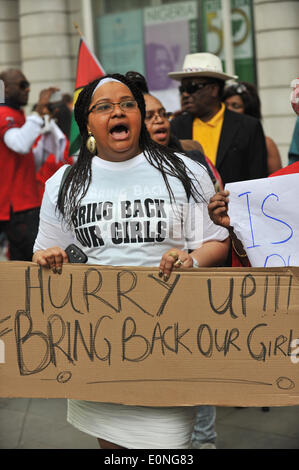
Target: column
{"type": "Point", "coordinates": [45, 45]}
{"type": "Point", "coordinates": [277, 50]}
{"type": "Point", "coordinates": [9, 35]}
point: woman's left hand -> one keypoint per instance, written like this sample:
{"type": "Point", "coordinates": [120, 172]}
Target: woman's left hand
{"type": "Point", "coordinates": [174, 259]}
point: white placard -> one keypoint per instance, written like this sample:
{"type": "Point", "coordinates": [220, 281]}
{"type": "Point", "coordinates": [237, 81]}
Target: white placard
{"type": "Point", "coordinates": [265, 217]}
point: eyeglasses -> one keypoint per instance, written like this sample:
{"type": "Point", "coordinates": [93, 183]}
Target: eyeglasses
{"type": "Point", "coordinates": [106, 108]}
{"type": "Point", "coordinates": [23, 84]}
{"type": "Point", "coordinates": [192, 87]}
{"type": "Point", "coordinates": [150, 115]}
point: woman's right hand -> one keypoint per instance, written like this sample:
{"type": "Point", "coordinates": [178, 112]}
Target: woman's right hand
{"type": "Point", "coordinates": [218, 209]}
{"type": "Point", "coordinates": [52, 258]}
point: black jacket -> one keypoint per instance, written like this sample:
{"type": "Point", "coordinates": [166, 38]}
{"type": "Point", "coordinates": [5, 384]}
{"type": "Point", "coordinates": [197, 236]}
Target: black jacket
{"type": "Point", "coordinates": [196, 155]}
{"type": "Point", "coordinates": [242, 153]}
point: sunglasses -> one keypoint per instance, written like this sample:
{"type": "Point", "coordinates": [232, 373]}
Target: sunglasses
{"type": "Point", "coordinates": [23, 84]}
{"type": "Point", "coordinates": [192, 87]}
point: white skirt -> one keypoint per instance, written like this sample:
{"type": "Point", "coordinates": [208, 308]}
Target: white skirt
{"type": "Point", "coordinates": [134, 427]}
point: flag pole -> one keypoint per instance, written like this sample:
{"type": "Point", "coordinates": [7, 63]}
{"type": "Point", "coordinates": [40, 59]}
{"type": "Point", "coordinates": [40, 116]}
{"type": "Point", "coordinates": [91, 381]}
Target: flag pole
{"type": "Point", "coordinates": [88, 69]}
{"type": "Point", "coordinates": [76, 26]}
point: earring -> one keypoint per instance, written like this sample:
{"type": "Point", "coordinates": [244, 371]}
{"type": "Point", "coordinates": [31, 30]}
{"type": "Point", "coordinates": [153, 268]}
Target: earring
{"type": "Point", "coordinates": [91, 144]}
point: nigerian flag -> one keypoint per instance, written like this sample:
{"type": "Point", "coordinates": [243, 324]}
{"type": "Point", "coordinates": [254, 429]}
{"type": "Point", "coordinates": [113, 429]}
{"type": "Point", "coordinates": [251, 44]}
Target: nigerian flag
{"type": "Point", "coordinates": [88, 69]}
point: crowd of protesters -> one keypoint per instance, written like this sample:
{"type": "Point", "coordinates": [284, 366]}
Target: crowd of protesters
{"type": "Point", "coordinates": [215, 138]}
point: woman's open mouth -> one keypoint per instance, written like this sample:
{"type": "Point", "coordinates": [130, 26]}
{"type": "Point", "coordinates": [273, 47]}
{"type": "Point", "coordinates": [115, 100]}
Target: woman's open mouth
{"type": "Point", "coordinates": [161, 134]}
{"type": "Point", "coordinates": [119, 132]}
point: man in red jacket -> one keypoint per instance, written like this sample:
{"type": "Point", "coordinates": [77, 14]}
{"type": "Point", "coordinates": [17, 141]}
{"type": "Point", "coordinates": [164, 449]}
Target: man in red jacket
{"type": "Point", "coordinates": [19, 202]}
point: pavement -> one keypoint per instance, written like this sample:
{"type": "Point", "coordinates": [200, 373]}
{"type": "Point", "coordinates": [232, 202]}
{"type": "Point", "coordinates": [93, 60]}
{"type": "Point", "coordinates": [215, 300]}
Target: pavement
{"type": "Point", "coordinates": [27, 423]}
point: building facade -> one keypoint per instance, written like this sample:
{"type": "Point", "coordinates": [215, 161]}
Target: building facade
{"type": "Point", "coordinates": [152, 37]}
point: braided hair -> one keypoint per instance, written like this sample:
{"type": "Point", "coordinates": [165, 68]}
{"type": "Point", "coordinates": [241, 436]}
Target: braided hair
{"type": "Point", "coordinates": [162, 158]}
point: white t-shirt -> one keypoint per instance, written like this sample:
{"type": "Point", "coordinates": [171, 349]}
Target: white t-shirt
{"type": "Point", "coordinates": [126, 217]}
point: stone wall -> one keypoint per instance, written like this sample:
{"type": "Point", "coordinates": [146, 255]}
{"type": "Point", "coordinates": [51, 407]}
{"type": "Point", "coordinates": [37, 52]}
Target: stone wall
{"type": "Point", "coordinates": [39, 37]}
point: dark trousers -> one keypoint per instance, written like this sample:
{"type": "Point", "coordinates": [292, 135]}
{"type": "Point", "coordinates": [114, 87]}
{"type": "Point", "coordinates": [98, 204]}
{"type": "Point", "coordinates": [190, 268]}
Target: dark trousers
{"type": "Point", "coordinates": [21, 231]}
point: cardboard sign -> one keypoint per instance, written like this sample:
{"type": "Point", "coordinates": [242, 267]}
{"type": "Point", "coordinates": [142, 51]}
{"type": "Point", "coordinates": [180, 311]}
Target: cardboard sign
{"type": "Point", "coordinates": [123, 335]}
{"type": "Point", "coordinates": [265, 218]}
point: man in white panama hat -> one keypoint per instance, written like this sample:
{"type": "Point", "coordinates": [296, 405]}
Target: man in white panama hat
{"type": "Point", "coordinates": [234, 142]}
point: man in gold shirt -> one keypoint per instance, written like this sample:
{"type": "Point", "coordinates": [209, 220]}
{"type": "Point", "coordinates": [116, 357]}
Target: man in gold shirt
{"type": "Point", "coordinates": [234, 142]}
